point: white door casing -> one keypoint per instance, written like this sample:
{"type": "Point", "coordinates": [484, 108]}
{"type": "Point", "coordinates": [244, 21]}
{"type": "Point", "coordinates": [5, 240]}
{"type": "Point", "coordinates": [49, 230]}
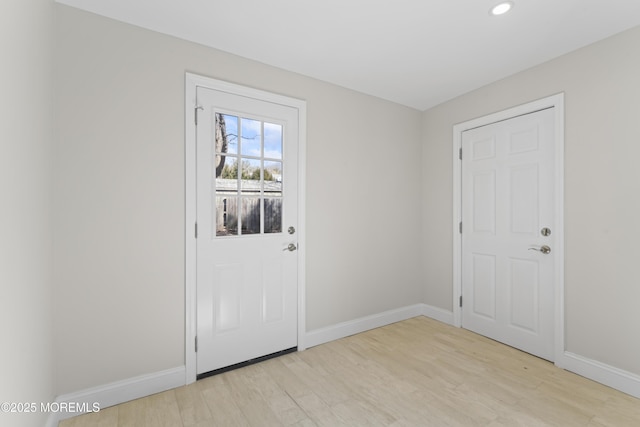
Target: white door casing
{"type": "Point", "coordinates": [507, 188]}
{"type": "Point", "coordinates": [245, 292]}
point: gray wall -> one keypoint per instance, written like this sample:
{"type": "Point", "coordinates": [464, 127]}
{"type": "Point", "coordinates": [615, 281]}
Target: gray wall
{"type": "Point", "coordinates": [118, 209]}
{"type": "Point", "coordinates": [118, 192]}
{"type": "Point", "coordinates": [25, 238]}
{"type": "Point", "coordinates": [602, 190]}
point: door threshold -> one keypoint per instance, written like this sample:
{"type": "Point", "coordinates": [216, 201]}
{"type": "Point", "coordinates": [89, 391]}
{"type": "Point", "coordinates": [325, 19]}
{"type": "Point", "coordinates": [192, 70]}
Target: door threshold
{"type": "Point", "coordinates": [246, 363]}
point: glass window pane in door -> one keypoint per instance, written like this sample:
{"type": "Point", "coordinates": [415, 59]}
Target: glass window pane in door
{"type": "Point", "coordinates": [251, 142]}
{"type": "Point", "coordinates": [248, 182]}
{"type": "Point", "coordinates": [273, 215]}
{"type": "Point", "coordinates": [226, 134]}
{"type": "Point", "coordinates": [272, 141]}
{"type": "Point", "coordinates": [226, 216]}
{"type": "Point", "coordinates": [227, 180]}
{"type": "Point", "coordinates": [251, 171]}
{"type": "Point", "coordinates": [250, 215]}
{"type": "Point", "coordinates": [272, 178]}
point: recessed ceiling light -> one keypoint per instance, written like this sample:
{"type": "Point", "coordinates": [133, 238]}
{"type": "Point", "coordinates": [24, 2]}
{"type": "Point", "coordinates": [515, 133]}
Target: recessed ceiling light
{"type": "Point", "coordinates": [502, 8]}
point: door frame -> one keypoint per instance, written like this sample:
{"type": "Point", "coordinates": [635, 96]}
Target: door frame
{"type": "Point", "coordinates": [557, 102]}
{"type": "Point", "coordinates": [192, 82]}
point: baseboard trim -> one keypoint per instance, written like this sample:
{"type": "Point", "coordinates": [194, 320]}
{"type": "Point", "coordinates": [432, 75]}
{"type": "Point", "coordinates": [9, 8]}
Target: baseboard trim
{"type": "Point", "coordinates": [352, 327]}
{"type": "Point", "coordinates": [437, 313]}
{"type": "Point", "coordinates": [610, 376]}
{"type": "Point", "coordinates": [146, 385]}
{"type": "Point", "coordinates": [624, 381]}
{"type": "Point", "coordinates": [120, 392]}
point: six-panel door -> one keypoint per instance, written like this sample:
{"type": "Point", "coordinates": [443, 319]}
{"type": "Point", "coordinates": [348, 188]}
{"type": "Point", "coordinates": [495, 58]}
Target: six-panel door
{"type": "Point", "coordinates": [507, 201]}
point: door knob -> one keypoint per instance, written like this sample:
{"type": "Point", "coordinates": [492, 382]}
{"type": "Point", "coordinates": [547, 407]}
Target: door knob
{"type": "Point", "coordinates": [292, 247]}
{"type": "Point", "coordinates": [544, 249]}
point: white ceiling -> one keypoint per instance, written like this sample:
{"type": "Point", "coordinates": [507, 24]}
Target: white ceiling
{"type": "Point", "coordinates": [415, 52]}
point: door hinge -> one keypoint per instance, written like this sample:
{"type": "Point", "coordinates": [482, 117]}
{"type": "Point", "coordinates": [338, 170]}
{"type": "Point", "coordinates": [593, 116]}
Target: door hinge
{"type": "Point", "coordinates": [460, 300]}
{"type": "Point", "coordinates": [196, 343]}
{"type": "Point", "coordinates": [196, 231]}
{"type": "Point", "coordinates": [460, 227]}
{"type": "Point", "coordinates": [460, 154]}
{"type": "Point", "coordinates": [196, 108]}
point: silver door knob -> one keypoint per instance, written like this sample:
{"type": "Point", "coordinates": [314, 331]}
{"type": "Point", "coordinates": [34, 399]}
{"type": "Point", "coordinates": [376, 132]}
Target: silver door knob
{"type": "Point", "coordinates": [544, 249]}
{"type": "Point", "coordinates": [292, 247]}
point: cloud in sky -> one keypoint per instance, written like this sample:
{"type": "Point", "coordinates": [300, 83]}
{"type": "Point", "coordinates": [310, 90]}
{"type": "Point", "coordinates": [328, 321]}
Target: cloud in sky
{"type": "Point", "coordinates": [251, 137]}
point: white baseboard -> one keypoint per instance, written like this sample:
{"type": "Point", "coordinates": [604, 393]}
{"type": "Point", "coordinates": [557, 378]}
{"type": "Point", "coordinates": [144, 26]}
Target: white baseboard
{"type": "Point", "coordinates": [119, 392]}
{"type": "Point", "coordinates": [436, 313]}
{"type": "Point", "coordinates": [624, 381]}
{"type": "Point", "coordinates": [352, 327]}
{"type": "Point", "coordinates": [145, 385]}
{"type": "Point", "coordinates": [611, 376]}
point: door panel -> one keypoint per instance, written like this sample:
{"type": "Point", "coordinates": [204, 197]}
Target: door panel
{"type": "Point", "coordinates": [273, 295]}
{"type": "Point", "coordinates": [524, 199]}
{"type": "Point", "coordinates": [523, 289]}
{"type": "Point", "coordinates": [507, 198]}
{"type": "Point", "coordinates": [228, 285]}
{"type": "Point", "coordinates": [246, 199]}
{"type": "Point", "coordinates": [484, 202]}
{"type": "Point", "coordinates": [484, 289]}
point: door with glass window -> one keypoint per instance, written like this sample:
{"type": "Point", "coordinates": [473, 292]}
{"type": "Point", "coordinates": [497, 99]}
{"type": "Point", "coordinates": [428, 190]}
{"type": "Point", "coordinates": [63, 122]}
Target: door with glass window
{"type": "Point", "coordinates": [247, 209]}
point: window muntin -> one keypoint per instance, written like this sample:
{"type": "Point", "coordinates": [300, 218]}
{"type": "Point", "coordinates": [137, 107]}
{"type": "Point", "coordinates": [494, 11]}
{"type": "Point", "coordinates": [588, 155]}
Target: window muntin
{"type": "Point", "coordinates": [248, 187]}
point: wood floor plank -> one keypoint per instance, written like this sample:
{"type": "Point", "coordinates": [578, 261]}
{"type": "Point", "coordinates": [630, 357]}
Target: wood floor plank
{"type": "Point", "coordinates": [418, 372]}
{"type": "Point", "coordinates": [319, 412]}
{"type": "Point", "coordinates": [107, 417]}
{"type": "Point", "coordinates": [222, 405]}
{"type": "Point", "coordinates": [193, 408]}
{"type": "Point", "coordinates": [247, 395]}
{"type": "Point", "coordinates": [158, 410]}
{"type": "Point", "coordinates": [281, 403]}
{"type": "Point", "coordinates": [618, 410]}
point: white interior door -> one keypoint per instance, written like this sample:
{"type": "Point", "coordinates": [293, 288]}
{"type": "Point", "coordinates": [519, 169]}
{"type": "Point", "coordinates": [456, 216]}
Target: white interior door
{"type": "Point", "coordinates": [508, 227]}
{"type": "Point", "coordinates": [247, 219]}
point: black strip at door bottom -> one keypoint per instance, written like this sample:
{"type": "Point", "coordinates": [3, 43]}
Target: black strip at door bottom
{"type": "Point", "coordinates": [246, 363]}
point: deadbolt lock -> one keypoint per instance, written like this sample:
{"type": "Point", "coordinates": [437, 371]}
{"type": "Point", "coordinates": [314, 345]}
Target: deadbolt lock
{"type": "Point", "coordinates": [545, 231]}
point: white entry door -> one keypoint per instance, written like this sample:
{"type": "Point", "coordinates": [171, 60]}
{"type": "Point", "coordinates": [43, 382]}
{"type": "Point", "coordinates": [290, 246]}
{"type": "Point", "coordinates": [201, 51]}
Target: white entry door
{"type": "Point", "coordinates": [247, 220]}
{"type": "Point", "coordinates": [509, 232]}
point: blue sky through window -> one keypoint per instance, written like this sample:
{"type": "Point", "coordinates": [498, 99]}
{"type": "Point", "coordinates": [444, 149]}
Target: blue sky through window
{"type": "Point", "coordinates": [251, 137]}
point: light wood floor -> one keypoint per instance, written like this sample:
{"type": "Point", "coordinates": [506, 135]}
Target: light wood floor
{"type": "Point", "coordinates": [418, 372]}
